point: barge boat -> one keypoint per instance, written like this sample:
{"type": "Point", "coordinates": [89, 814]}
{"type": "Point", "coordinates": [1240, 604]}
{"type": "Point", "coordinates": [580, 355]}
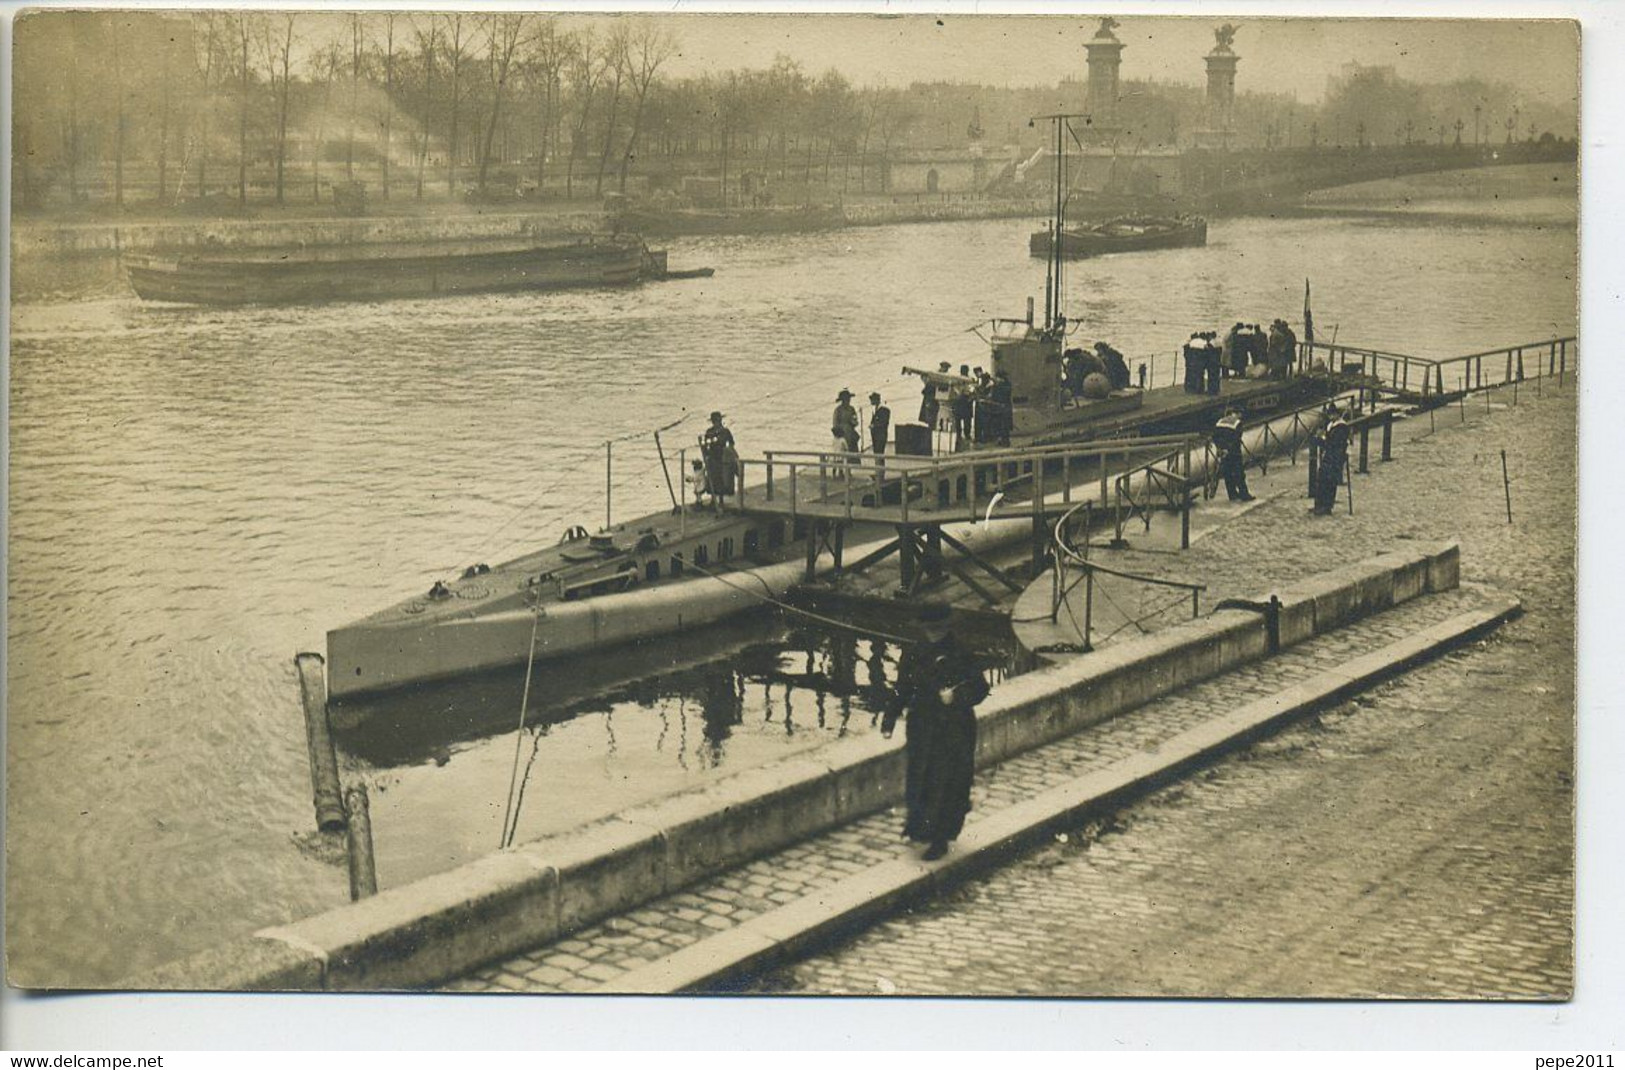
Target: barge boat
{"type": "Point", "coordinates": [370, 272]}
{"type": "Point", "coordinates": [1125, 234]}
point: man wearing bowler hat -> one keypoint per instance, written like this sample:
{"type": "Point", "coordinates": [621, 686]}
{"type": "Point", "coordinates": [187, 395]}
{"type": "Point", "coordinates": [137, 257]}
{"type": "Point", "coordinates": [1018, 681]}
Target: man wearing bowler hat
{"type": "Point", "coordinates": [879, 423]}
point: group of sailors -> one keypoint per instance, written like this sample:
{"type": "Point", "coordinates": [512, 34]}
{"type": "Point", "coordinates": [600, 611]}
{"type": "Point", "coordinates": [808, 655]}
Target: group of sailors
{"type": "Point", "coordinates": [1106, 365]}
{"type": "Point", "coordinates": [1247, 352]}
{"type": "Point", "coordinates": [1331, 455]}
{"type": "Point", "coordinates": [973, 407]}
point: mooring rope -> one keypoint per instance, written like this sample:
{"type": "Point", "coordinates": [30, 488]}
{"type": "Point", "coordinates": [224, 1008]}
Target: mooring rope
{"type": "Point", "coordinates": [519, 799]}
{"type": "Point", "coordinates": [519, 736]}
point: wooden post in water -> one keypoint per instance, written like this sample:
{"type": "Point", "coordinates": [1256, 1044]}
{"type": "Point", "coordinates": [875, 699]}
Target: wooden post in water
{"type": "Point", "coordinates": [1506, 483]}
{"type": "Point", "coordinates": [609, 485]}
{"type": "Point", "coordinates": [324, 769]}
{"type": "Point", "coordinates": [363, 869]}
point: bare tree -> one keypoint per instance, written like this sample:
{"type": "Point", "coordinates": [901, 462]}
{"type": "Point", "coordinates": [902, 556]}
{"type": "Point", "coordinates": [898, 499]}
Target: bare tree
{"type": "Point", "coordinates": [550, 54]}
{"type": "Point", "coordinates": [617, 59]}
{"type": "Point", "coordinates": [586, 70]}
{"type": "Point", "coordinates": [503, 34]}
{"type": "Point", "coordinates": [650, 48]}
{"type": "Point", "coordinates": [278, 45]}
{"type": "Point", "coordinates": [164, 108]}
{"type": "Point", "coordinates": [426, 47]}
{"type": "Point", "coordinates": [120, 116]}
{"type": "Point", "coordinates": [244, 31]}
{"type": "Point", "coordinates": [326, 66]}
{"type": "Point", "coordinates": [456, 45]}
{"type": "Point", "coordinates": [389, 93]}
{"type": "Point", "coordinates": [208, 64]}
{"type": "Point", "coordinates": [358, 47]}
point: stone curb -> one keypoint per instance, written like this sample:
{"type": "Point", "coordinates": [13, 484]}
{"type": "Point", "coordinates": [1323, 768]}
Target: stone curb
{"type": "Point", "coordinates": [419, 934]}
{"type": "Point", "coordinates": [875, 893]}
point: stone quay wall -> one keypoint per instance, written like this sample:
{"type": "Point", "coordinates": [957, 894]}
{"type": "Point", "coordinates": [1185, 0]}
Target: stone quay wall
{"type": "Point", "coordinates": [445, 925]}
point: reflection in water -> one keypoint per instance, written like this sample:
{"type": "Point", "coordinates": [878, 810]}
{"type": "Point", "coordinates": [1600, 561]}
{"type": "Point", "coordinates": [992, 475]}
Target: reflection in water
{"type": "Point", "coordinates": [587, 756]}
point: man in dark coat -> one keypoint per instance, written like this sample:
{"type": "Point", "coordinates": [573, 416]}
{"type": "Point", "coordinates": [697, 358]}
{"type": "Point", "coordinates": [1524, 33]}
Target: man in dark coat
{"type": "Point", "coordinates": [1282, 349]}
{"type": "Point", "coordinates": [1333, 440]}
{"type": "Point", "coordinates": [1002, 412]}
{"type": "Point", "coordinates": [1232, 463]}
{"type": "Point", "coordinates": [964, 409]}
{"type": "Point", "coordinates": [1195, 353]}
{"type": "Point", "coordinates": [939, 685]}
{"type": "Point", "coordinates": [879, 424]}
{"type": "Point", "coordinates": [1116, 366]}
{"type": "Point", "coordinates": [1236, 346]}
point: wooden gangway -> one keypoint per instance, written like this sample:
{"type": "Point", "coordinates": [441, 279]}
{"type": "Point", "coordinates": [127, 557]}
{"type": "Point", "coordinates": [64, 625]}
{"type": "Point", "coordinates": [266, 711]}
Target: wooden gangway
{"type": "Point", "coordinates": [825, 494]}
{"type": "Point", "coordinates": [1030, 481]}
{"type": "Point", "coordinates": [1428, 381]}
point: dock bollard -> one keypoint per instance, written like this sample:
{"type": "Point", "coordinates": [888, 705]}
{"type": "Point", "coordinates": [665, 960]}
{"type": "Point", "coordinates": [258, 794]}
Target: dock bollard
{"type": "Point", "coordinates": [358, 837]}
{"type": "Point", "coordinates": [324, 768]}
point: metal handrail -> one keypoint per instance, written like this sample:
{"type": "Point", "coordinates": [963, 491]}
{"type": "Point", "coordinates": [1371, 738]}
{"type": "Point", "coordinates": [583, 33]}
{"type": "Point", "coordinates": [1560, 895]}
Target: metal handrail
{"type": "Point", "coordinates": [1067, 556]}
{"type": "Point", "coordinates": [855, 475]}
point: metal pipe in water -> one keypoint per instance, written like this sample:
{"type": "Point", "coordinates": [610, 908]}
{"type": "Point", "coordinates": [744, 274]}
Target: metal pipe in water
{"type": "Point", "coordinates": [358, 843]}
{"type": "Point", "coordinates": [324, 769]}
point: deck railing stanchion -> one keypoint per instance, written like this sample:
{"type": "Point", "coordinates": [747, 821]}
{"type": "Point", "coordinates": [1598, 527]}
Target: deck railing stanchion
{"type": "Point", "coordinates": [1088, 608]}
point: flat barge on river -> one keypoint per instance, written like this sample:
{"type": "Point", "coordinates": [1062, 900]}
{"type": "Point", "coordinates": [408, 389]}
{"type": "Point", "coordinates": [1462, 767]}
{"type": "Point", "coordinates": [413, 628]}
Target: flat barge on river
{"type": "Point", "coordinates": [370, 272]}
{"type": "Point", "coordinates": [1127, 234]}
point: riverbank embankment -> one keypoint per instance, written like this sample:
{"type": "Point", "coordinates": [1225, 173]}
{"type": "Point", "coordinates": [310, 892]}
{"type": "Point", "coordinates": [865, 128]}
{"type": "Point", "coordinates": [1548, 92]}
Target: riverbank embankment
{"type": "Point", "coordinates": [71, 258]}
{"type": "Point", "coordinates": [1415, 842]}
{"type": "Point", "coordinates": [436, 929]}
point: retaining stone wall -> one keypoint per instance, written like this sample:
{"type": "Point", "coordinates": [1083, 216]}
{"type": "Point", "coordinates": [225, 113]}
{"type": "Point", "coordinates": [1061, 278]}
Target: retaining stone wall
{"type": "Point", "coordinates": [424, 932]}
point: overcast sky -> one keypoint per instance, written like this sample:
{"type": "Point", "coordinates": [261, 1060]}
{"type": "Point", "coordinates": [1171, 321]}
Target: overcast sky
{"type": "Point", "coordinates": [1291, 55]}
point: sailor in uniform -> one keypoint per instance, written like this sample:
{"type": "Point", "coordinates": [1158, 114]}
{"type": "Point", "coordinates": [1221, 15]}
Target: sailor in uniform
{"type": "Point", "coordinates": [1334, 454]}
{"type": "Point", "coordinates": [1232, 463]}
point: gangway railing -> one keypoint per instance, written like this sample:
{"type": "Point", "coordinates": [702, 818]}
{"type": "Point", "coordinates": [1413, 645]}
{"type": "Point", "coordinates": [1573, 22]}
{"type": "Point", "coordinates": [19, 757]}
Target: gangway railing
{"type": "Point", "coordinates": [1167, 477]}
{"type": "Point", "coordinates": [1072, 567]}
{"type": "Point", "coordinates": [1436, 381]}
{"type": "Point", "coordinates": [1295, 436]}
{"type": "Point", "coordinates": [1507, 366]}
{"type": "Point", "coordinates": [961, 486]}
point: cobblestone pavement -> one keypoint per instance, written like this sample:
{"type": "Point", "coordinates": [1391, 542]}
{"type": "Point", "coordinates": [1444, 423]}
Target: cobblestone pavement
{"type": "Point", "coordinates": [605, 951]}
{"type": "Point", "coordinates": [1414, 842]}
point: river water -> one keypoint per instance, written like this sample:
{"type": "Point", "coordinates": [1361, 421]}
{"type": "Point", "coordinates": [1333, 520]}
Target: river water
{"type": "Point", "coordinates": [196, 495]}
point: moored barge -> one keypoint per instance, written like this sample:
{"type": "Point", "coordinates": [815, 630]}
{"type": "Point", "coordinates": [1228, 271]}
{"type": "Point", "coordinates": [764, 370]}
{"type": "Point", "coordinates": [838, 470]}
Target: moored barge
{"type": "Point", "coordinates": [1125, 234]}
{"type": "Point", "coordinates": [369, 272]}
